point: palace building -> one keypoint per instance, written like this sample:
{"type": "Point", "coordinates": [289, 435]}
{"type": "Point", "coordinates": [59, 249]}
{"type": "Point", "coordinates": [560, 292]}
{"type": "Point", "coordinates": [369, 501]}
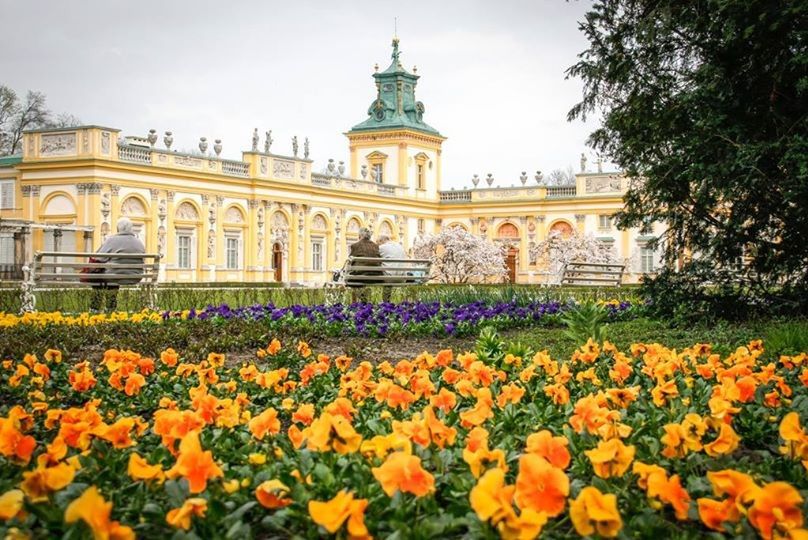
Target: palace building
{"type": "Point", "coordinates": [271, 217]}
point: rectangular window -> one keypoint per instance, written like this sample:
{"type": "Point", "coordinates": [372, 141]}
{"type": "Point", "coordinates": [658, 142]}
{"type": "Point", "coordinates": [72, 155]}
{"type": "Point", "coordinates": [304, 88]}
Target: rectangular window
{"type": "Point", "coordinates": [421, 183]}
{"type": "Point", "coordinates": [184, 250]}
{"type": "Point", "coordinates": [7, 194]}
{"type": "Point", "coordinates": [232, 249]}
{"type": "Point", "coordinates": [646, 260]}
{"type": "Point", "coordinates": [7, 249]}
{"type": "Point", "coordinates": [317, 255]}
{"type": "Point", "coordinates": [604, 222]}
{"type": "Point", "coordinates": [379, 168]}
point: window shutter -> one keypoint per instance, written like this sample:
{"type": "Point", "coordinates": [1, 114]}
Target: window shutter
{"type": "Point", "coordinates": [7, 195]}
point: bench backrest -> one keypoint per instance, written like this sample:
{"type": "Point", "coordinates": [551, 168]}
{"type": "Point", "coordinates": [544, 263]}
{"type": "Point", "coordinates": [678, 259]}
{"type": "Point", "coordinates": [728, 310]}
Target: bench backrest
{"type": "Point", "coordinates": [597, 274]}
{"type": "Point", "coordinates": [390, 272]}
{"type": "Point", "coordinates": [64, 269]}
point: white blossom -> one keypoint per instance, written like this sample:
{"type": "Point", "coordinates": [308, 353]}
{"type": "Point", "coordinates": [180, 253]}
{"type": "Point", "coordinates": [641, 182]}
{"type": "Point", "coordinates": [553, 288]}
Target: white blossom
{"type": "Point", "coordinates": [460, 257]}
{"type": "Point", "coordinates": [558, 250]}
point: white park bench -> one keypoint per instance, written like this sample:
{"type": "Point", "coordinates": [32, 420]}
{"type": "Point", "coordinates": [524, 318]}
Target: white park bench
{"type": "Point", "coordinates": [592, 274]}
{"type": "Point", "coordinates": [55, 270]}
{"type": "Point", "coordinates": [396, 273]}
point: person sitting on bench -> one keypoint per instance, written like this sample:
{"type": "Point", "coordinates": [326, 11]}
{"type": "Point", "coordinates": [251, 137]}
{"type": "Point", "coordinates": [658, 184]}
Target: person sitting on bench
{"type": "Point", "coordinates": [364, 247]}
{"type": "Point", "coordinates": [123, 242]}
{"type": "Point", "coordinates": [390, 250]}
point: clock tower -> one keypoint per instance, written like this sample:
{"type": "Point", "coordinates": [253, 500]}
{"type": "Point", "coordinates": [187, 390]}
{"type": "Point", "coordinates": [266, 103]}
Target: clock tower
{"type": "Point", "coordinates": [394, 145]}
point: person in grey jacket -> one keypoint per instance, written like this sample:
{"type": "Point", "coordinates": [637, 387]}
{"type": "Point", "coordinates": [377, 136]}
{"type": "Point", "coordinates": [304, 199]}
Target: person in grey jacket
{"type": "Point", "coordinates": [123, 242]}
{"type": "Point", "coordinates": [389, 249]}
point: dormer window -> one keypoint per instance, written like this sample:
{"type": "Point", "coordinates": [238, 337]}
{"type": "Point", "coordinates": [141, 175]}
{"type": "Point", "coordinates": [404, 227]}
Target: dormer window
{"type": "Point", "coordinates": [376, 161]}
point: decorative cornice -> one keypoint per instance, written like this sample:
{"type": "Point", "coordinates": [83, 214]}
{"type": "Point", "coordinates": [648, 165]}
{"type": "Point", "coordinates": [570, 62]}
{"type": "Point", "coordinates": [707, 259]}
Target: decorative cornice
{"type": "Point", "coordinates": [359, 136]}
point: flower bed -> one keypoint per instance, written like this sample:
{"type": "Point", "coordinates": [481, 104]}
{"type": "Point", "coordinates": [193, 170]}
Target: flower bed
{"type": "Point", "coordinates": [642, 442]}
{"type": "Point", "coordinates": [370, 320]}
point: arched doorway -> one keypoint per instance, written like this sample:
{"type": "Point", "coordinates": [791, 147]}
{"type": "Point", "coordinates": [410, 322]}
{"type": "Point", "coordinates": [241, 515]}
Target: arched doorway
{"type": "Point", "coordinates": [511, 257]}
{"type": "Point", "coordinates": [277, 261]}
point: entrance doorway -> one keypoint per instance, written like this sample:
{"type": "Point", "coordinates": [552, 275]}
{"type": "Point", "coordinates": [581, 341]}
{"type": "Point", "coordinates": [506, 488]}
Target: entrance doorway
{"type": "Point", "coordinates": [277, 261]}
{"type": "Point", "coordinates": [510, 263]}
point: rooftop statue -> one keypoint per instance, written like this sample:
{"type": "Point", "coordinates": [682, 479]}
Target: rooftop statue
{"type": "Point", "coordinates": [268, 142]}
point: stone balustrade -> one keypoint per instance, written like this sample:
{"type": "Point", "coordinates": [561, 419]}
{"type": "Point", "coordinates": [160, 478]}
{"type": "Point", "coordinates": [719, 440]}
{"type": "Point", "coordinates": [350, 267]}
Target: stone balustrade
{"type": "Point", "coordinates": [235, 168]}
{"type": "Point", "coordinates": [134, 154]}
{"type": "Point", "coordinates": [586, 184]}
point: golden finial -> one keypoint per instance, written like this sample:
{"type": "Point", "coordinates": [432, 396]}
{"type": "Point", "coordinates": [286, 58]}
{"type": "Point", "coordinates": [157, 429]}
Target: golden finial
{"type": "Point", "coordinates": [376, 67]}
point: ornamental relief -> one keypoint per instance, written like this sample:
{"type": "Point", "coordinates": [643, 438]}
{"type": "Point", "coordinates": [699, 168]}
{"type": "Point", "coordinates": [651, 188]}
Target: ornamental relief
{"type": "Point", "coordinates": [283, 169]}
{"type": "Point", "coordinates": [105, 142]}
{"type": "Point", "coordinates": [602, 184]}
{"type": "Point", "coordinates": [187, 212]}
{"type": "Point", "coordinates": [319, 223]}
{"type": "Point", "coordinates": [186, 161]}
{"type": "Point", "coordinates": [279, 221]}
{"type": "Point", "coordinates": [57, 144]}
{"type": "Point", "coordinates": [133, 207]}
{"type": "Point", "coordinates": [353, 226]}
{"type": "Point", "coordinates": [234, 215]}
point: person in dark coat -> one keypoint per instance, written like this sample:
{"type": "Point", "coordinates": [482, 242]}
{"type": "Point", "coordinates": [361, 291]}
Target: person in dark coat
{"type": "Point", "coordinates": [364, 247]}
{"type": "Point", "coordinates": [123, 242]}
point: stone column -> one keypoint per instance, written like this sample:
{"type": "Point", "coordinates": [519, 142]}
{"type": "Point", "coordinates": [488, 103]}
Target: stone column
{"type": "Point", "coordinates": [338, 239]}
{"type": "Point", "coordinates": [170, 259]}
{"type": "Point", "coordinates": [266, 259]}
{"type": "Point", "coordinates": [523, 247]}
{"type": "Point", "coordinates": [153, 224]}
{"type": "Point", "coordinates": [251, 237]}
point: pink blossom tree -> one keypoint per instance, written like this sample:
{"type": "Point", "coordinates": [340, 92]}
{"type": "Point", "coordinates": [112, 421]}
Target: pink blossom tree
{"type": "Point", "coordinates": [558, 250]}
{"type": "Point", "coordinates": [460, 257]}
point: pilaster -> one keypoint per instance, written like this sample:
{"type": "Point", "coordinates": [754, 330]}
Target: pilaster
{"type": "Point", "coordinates": [580, 223]}
{"type": "Point", "coordinates": [402, 164]}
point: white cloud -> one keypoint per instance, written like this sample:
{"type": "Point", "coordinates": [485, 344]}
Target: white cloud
{"type": "Point", "coordinates": [492, 73]}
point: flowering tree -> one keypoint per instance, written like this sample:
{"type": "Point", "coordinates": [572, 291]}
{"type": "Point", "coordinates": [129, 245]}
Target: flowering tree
{"type": "Point", "coordinates": [557, 250]}
{"type": "Point", "coordinates": [460, 257]}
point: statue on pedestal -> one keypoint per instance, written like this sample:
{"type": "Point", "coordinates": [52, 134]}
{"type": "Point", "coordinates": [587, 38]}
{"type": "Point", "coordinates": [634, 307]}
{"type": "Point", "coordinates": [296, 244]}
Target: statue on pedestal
{"type": "Point", "coordinates": [583, 162]}
{"type": "Point", "coordinates": [255, 140]}
{"type": "Point", "coordinates": [268, 142]}
{"type": "Point", "coordinates": [294, 146]}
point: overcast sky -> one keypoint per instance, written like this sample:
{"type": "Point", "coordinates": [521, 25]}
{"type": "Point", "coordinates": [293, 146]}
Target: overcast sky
{"type": "Point", "coordinates": [492, 72]}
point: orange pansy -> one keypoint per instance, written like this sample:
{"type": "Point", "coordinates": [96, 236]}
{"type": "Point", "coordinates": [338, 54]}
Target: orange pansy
{"type": "Point", "coordinates": [540, 486]}
{"type": "Point", "coordinates": [403, 472]}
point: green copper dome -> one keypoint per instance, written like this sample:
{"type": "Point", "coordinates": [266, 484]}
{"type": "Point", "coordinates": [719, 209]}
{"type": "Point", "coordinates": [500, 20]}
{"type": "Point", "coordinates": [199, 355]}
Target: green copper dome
{"type": "Point", "coordinates": [395, 105]}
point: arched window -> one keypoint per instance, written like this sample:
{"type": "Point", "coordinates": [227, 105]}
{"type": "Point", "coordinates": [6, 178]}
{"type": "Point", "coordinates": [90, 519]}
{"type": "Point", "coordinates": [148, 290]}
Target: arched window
{"type": "Point", "coordinates": [507, 230]}
{"type": "Point", "coordinates": [561, 227]}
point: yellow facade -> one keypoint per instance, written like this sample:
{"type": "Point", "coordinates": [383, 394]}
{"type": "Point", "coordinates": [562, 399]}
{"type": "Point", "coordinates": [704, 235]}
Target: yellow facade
{"type": "Point", "coordinates": [269, 217]}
